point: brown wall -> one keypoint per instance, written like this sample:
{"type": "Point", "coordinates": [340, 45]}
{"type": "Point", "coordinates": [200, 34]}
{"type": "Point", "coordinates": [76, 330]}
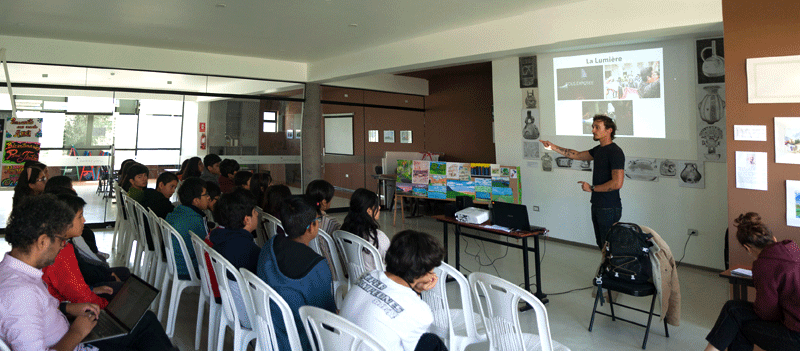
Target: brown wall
{"type": "Point", "coordinates": [754, 29]}
{"type": "Point", "coordinates": [458, 112]}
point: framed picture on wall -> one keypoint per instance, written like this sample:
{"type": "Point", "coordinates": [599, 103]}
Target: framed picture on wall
{"type": "Point", "coordinates": [297, 133]}
{"type": "Point", "coordinates": [793, 203]}
{"type": "Point", "coordinates": [787, 140]}
{"type": "Point", "coordinates": [405, 136]}
{"type": "Point", "coordinates": [373, 136]}
{"type": "Point", "coordinates": [388, 136]}
{"type": "Point", "coordinates": [290, 134]}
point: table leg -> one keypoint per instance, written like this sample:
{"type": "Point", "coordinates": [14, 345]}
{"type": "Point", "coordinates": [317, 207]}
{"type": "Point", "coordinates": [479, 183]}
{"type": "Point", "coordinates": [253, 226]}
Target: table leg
{"type": "Point", "coordinates": [394, 212]}
{"type": "Point", "coordinates": [444, 241]}
{"type": "Point", "coordinates": [403, 209]}
{"type": "Point", "coordinates": [538, 262]}
{"type": "Point", "coordinates": [458, 247]}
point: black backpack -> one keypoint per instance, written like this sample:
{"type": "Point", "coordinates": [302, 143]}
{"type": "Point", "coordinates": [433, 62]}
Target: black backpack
{"type": "Point", "coordinates": [627, 256]}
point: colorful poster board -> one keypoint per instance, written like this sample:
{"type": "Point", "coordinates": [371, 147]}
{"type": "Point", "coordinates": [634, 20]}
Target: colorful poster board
{"type": "Point", "coordinates": [448, 180]}
{"type": "Point", "coordinates": [23, 129]}
{"type": "Point", "coordinates": [10, 175]}
{"type": "Point", "coordinates": [18, 152]}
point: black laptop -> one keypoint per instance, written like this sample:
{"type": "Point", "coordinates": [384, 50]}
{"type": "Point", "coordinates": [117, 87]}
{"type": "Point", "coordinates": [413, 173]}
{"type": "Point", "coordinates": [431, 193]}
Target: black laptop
{"type": "Point", "coordinates": [124, 311]}
{"type": "Point", "coordinates": [511, 216]}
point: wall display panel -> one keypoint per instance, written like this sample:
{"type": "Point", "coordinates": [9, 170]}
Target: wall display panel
{"type": "Point", "coordinates": [339, 134]}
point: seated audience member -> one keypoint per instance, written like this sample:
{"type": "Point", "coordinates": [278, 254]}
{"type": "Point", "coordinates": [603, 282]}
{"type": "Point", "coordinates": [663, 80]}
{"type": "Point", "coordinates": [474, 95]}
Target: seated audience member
{"type": "Point", "coordinates": [321, 193]}
{"type": "Point", "coordinates": [214, 194]}
{"type": "Point", "coordinates": [189, 216]}
{"type": "Point", "coordinates": [64, 278]}
{"type": "Point", "coordinates": [388, 304]}
{"type": "Point", "coordinates": [274, 198]}
{"type": "Point", "coordinates": [32, 319]}
{"type": "Point", "coordinates": [158, 199]}
{"type": "Point", "coordinates": [259, 185]}
{"type": "Point", "coordinates": [194, 168]}
{"type": "Point", "coordinates": [56, 185]}
{"type": "Point", "coordinates": [242, 179]}
{"type": "Point", "coordinates": [294, 270]}
{"type": "Point", "coordinates": [211, 164]}
{"type": "Point", "coordinates": [227, 170]}
{"type": "Point", "coordinates": [31, 181]}
{"type": "Point", "coordinates": [773, 321]}
{"type": "Point", "coordinates": [236, 218]}
{"type": "Point", "coordinates": [122, 168]}
{"type": "Point", "coordinates": [135, 181]}
{"type": "Point", "coordinates": [183, 168]}
{"type": "Point", "coordinates": [362, 220]}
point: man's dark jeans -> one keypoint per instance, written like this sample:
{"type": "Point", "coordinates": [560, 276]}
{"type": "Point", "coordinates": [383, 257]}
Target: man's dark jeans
{"type": "Point", "coordinates": [738, 328]}
{"type": "Point", "coordinates": [602, 220]}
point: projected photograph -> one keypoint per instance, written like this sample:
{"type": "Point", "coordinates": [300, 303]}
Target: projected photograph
{"type": "Point", "coordinates": [580, 83]}
{"type": "Point", "coordinates": [619, 111]}
{"type": "Point", "coordinates": [633, 80]}
{"type": "Point", "coordinates": [626, 85]}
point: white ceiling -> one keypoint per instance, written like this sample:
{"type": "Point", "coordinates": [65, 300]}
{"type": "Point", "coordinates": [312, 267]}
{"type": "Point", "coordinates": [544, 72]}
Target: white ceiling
{"type": "Point", "coordinates": [288, 30]}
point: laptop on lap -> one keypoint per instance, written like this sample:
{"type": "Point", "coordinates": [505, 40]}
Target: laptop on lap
{"type": "Point", "coordinates": [124, 311]}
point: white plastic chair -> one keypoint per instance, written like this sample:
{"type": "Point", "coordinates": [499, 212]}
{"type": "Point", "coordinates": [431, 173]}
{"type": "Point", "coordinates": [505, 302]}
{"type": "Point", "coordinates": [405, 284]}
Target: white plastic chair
{"type": "Point", "coordinates": [271, 224]}
{"type": "Point", "coordinates": [146, 258]}
{"type": "Point", "coordinates": [171, 237]}
{"type": "Point", "coordinates": [158, 265]}
{"type": "Point", "coordinates": [325, 246]}
{"type": "Point", "coordinates": [232, 295]}
{"type": "Point", "coordinates": [329, 332]}
{"type": "Point", "coordinates": [3, 346]}
{"type": "Point", "coordinates": [137, 235]}
{"type": "Point", "coordinates": [262, 296]}
{"type": "Point", "coordinates": [501, 316]}
{"type": "Point", "coordinates": [262, 234]}
{"type": "Point", "coordinates": [457, 327]}
{"type": "Point", "coordinates": [354, 247]}
{"type": "Point", "coordinates": [119, 224]}
{"type": "Point", "coordinates": [206, 296]}
{"type": "Point", "coordinates": [126, 235]}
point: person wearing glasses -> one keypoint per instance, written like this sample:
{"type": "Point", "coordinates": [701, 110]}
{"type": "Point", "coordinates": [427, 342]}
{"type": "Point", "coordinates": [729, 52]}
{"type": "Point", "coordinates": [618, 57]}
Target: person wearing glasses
{"type": "Point", "coordinates": [294, 270]}
{"type": "Point", "coordinates": [31, 181]}
{"type": "Point", "coordinates": [31, 318]}
{"type": "Point", "coordinates": [189, 216]}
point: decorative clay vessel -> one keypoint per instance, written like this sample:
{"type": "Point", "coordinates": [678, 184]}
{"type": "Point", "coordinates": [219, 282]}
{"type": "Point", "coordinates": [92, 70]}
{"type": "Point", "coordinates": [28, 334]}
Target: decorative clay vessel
{"type": "Point", "coordinates": [714, 65]}
{"type": "Point", "coordinates": [712, 107]}
{"type": "Point", "coordinates": [690, 174]}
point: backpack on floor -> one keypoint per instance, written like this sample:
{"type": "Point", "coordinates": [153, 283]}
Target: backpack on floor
{"type": "Point", "coordinates": [627, 254]}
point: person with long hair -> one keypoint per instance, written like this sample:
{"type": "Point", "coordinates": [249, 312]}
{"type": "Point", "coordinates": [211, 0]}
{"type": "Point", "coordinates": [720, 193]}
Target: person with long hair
{"type": "Point", "coordinates": [194, 168]}
{"type": "Point", "coordinates": [274, 198]}
{"type": "Point", "coordinates": [259, 184]}
{"type": "Point", "coordinates": [362, 220]}
{"type": "Point", "coordinates": [320, 193]}
{"type": "Point", "coordinates": [773, 321]}
{"type": "Point", "coordinates": [242, 180]}
{"type": "Point", "coordinates": [31, 181]}
{"type": "Point", "coordinates": [135, 181]}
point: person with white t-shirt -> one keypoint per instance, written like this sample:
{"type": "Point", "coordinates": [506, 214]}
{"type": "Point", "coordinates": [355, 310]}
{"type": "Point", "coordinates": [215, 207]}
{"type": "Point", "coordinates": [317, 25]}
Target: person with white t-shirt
{"type": "Point", "coordinates": [388, 304]}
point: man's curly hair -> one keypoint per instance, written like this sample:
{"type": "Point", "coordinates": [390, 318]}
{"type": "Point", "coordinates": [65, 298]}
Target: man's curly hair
{"type": "Point", "coordinates": [34, 216]}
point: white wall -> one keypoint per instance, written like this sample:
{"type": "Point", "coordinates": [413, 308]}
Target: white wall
{"type": "Point", "coordinates": [664, 206]}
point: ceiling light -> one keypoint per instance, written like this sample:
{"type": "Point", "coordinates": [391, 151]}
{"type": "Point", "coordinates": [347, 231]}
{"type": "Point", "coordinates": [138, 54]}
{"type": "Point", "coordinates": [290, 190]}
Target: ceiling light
{"type": "Point", "coordinates": [169, 82]}
{"type": "Point", "coordinates": [353, 24]}
{"type": "Point", "coordinates": [44, 75]}
{"type": "Point", "coordinates": [221, 6]}
{"type": "Point", "coordinates": [112, 73]}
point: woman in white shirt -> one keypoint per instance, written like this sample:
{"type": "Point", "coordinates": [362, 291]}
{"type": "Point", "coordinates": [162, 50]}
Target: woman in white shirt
{"type": "Point", "coordinates": [362, 220]}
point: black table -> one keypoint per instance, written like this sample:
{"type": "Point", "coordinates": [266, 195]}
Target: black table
{"type": "Point", "coordinates": [739, 283]}
{"type": "Point", "coordinates": [522, 235]}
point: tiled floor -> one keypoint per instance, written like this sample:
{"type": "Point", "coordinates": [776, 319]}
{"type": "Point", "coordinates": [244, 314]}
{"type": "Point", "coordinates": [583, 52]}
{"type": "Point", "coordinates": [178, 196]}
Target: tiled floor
{"type": "Point", "coordinates": [565, 267]}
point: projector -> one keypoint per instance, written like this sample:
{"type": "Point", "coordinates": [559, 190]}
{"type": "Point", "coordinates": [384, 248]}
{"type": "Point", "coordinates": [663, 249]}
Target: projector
{"type": "Point", "coordinates": [472, 215]}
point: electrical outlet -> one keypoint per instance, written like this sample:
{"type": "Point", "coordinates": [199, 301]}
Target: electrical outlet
{"type": "Point", "coordinates": [693, 232]}
{"type": "Point", "coordinates": [536, 208]}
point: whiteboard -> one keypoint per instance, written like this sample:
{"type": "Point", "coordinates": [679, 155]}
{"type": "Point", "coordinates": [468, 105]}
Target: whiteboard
{"type": "Point", "coordinates": [339, 134]}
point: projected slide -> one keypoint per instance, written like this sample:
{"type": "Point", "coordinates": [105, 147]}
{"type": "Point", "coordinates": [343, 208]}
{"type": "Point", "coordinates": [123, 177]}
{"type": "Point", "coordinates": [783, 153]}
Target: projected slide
{"type": "Point", "coordinates": [625, 85]}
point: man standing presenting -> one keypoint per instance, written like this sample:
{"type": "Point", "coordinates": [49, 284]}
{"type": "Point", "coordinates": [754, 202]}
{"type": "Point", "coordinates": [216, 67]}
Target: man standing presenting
{"type": "Point", "coordinates": [607, 178]}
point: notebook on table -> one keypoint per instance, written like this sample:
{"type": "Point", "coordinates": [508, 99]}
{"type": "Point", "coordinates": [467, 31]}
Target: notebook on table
{"type": "Point", "coordinates": [124, 311]}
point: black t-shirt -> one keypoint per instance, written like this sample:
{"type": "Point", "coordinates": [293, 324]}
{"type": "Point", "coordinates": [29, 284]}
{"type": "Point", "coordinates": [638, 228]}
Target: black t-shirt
{"type": "Point", "coordinates": [606, 158]}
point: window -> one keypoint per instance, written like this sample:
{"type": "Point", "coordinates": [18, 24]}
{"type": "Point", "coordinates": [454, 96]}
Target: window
{"type": "Point", "coordinates": [270, 122]}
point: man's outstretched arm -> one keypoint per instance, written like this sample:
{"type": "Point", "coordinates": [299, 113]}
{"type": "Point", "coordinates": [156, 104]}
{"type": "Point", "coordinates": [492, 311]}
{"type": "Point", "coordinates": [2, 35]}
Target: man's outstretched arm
{"type": "Point", "coordinates": [575, 155]}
